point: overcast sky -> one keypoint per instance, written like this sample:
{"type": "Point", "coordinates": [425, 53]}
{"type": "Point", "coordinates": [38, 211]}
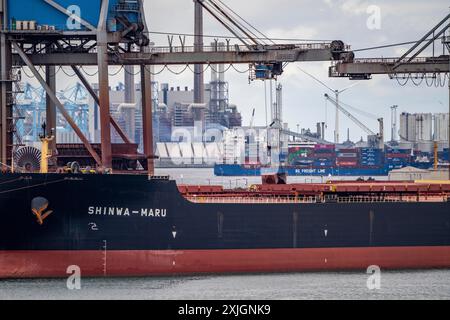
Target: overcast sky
{"type": "Point", "coordinates": [304, 104]}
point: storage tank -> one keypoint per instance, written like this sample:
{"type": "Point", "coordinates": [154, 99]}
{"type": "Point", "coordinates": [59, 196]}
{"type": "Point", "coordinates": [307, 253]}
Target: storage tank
{"type": "Point", "coordinates": [441, 126]}
{"type": "Point", "coordinates": [424, 127]}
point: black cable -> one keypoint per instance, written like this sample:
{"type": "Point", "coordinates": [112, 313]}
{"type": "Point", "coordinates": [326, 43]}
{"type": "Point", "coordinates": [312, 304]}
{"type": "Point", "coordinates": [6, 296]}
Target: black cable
{"type": "Point", "coordinates": [131, 73]}
{"type": "Point", "coordinates": [239, 71]}
{"type": "Point", "coordinates": [90, 75]}
{"type": "Point", "coordinates": [114, 74]}
{"type": "Point", "coordinates": [217, 71]}
{"type": "Point", "coordinates": [201, 72]}
{"type": "Point", "coordinates": [177, 73]}
{"type": "Point", "coordinates": [233, 37]}
{"type": "Point", "coordinates": [217, 15]}
{"type": "Point", "coordinates": [70, 76]}
{"type": "Point", "coordinates": [245, 21]}
{"type": "Point", "coordinates": [393, 45]}
{"type": "Point", "coordinates": [247, 32]}
{"type": "Point", "coordinates": [26, 74]}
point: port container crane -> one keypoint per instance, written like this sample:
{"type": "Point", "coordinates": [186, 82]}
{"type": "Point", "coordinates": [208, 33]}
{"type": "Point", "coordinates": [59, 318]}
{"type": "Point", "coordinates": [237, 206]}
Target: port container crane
{"type": "Point", "coordinates": [98, 43]}
{"type": "Point", "coordinates": [410, 66]}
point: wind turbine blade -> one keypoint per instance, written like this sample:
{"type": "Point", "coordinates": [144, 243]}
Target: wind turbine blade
{"type": "Point", "coordinates": [349, 87]}
{"type": "Point", "coordinates": [319, 81]}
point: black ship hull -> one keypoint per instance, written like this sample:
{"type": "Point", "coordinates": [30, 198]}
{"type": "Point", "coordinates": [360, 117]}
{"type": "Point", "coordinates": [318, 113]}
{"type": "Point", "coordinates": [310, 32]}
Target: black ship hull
{"type": "Point", "coordinates": [131, 225]}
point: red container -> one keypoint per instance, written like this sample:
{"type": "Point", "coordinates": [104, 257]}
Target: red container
{"type": "Point", "coordinates": [325, 148]}
{"type": "Point", "coordinates": [324, 155]}
{"type": "Point", "coordinates": [348, 150]}
{"type": "Point", "coordinates": [346, 163]}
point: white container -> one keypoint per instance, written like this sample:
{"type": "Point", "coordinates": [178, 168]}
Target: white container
{"type": "Point", "coordinates": [32, 25]}
{"type": "Point", "coordinates": [19, 25]}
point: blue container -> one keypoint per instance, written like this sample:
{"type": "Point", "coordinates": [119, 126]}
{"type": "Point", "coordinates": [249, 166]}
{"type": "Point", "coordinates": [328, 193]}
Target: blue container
{"type": "Point", "coordinates": [323, 163]}
{"type": "Point", "coordinates": [445, 155]}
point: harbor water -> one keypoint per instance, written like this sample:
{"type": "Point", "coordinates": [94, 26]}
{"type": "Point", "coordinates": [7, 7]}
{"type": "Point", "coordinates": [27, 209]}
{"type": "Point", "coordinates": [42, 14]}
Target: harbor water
{"type": "Point", "coordinates": [410, 284]}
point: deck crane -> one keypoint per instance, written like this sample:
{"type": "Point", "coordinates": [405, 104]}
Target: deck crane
{"type": "Point", "coordinates": [377, 138]}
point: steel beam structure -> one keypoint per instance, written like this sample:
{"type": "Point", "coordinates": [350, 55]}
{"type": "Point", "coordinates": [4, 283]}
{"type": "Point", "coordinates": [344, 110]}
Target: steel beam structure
{"type": "Point", "coordinates": [98, 47]}
{"type": "Point", "coordinates": [50, 110]}
{"type": "Point", "coordinates": [147, 117]}
{"type": "Point", "coordinates": [97, 101]}
{"type": "Point", "coordinates": [199, 84]}
{"type": "Point", "coordinates": [6, 112]}
{"type": "Point", "coordinates": [179, 56]}
{"type": "Point", "coordinates": [367, 67]}
{"type": "Point", "coordinates": [304, 137]}
{"type": "Point", "coordinates": [129, 84]}
{"type": "Point", "coordinates": [58, 104]}
{"type": "Point", "coordinates": [103, 84]}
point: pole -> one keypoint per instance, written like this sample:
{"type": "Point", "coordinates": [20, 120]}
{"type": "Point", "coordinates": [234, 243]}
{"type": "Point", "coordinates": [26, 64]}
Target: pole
{"type": "Point", "coordinates": [103, 84]}
{"type": "Point", "coordinates": [50, 79]}
{"type": "Point", "coordinates": [447, 41]}
{"type": "Point", "coordinates": [336, 130]}
{"type": "Point", "coordinates": [198, 45]}
{"type": "Point", "coordinates": [147, 117]}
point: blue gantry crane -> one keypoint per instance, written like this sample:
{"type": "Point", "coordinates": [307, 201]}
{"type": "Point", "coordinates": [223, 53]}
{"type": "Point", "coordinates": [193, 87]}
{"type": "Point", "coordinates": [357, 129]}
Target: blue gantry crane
{"type": "Point", "coordinates": [31, 105]}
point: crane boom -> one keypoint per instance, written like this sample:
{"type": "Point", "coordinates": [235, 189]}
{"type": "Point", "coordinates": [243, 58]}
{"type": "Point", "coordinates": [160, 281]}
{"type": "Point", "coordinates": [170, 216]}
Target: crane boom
{"type": "Point", "coordinates": [305, 52]}
{"type": "Point", "coordinates": [348, 114]}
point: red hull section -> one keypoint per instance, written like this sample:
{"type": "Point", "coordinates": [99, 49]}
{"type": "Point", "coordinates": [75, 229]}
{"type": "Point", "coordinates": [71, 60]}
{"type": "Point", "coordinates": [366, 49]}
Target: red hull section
{"type": "Point", "coordinates": [34, 264]}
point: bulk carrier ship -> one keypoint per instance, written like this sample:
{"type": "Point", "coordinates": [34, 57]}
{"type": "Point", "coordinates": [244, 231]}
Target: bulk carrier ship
{"type": "Point", "coordinates": [139, 225]}
{"type": "Point", "coordinates": [135, 225]}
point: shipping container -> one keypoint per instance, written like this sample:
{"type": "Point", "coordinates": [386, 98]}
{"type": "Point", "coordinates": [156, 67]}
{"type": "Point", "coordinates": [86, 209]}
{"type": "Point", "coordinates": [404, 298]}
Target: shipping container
{"type": "Point", "coordinates": [371, 149]}
{"type": "Point", "coordinates": [347, 164]}
{"type": "Point", "coordinates": [318, 163]}
{"type": "Point", "coordinates": [404, 151]}
{"type": "Point", "coordinates": [398, 155]}
{"type": "Point", "coordinates": [318, 156]}
{"type": "Point", "coordinates": [324, 146]}
{"type": "Point", "coordinates": [347, 155]}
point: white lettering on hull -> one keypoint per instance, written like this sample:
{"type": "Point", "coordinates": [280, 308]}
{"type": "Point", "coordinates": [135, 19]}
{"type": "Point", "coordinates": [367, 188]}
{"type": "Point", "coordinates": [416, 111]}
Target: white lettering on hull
{"type": "Point", "coordinates": [126, 212]}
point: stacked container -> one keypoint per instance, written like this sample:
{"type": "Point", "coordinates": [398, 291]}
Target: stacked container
{"type": "Point", "coordinates": [300, 155]}
{"type": "Point", "coordinates": [324, 155]}
{"type": "Point", "coordinates": [398, 158]}
{"type": "Point", "coordinates": [347, 158]}
{"type": "Point", "coordinates": [371, 157]}
{"type": "Point", "coordinates": [445, 155]}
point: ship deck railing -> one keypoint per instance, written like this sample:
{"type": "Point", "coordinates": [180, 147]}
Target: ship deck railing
{"type": "Point", "coordinates": [317, 199]}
